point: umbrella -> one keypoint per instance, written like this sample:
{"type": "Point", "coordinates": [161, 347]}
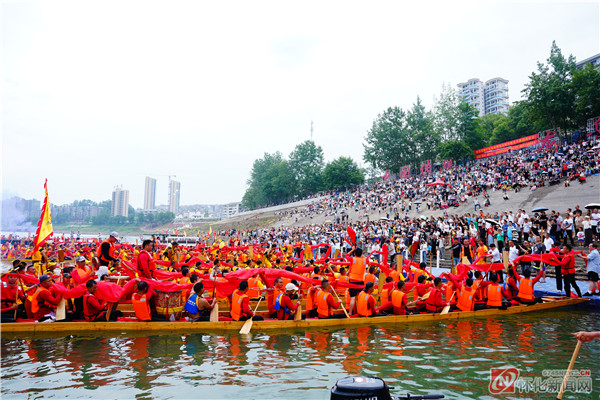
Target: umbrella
{"type": "Point", "coordinates": [423, 217]}
{"type": "Point", "coordinates": [592, 206]}
{"type": "Point", "coordinates": [327, 221]}
{"type": "Point", "coordinates": [538, 209]}
{"type": "Point", "coordinates": [384, 219]}
{"type": "Point", "coordinates": [417, 202]}
{"type": "Point", "coordinates": [492, 221]}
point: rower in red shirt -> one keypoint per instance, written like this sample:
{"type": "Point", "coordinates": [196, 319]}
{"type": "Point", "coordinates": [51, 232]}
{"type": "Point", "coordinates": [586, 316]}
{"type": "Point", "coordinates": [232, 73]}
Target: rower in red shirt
{"type": "Point", "coordinates": [283, 303]}
{"type": "Point", "coordinates": [325, 302]}
{"type": "Point", "coordinates": [434, 302]}
{"type": "Point", "coordinates": [525, 294]}
{"type": "Point", "coordinates": [9, 294]}
{"type": "Point", "coordinates": [44, 302]}
{"type": "Point", "coordinates": [145, 262]}
{"type": "Point", "coordinates": [240, 304]}
{"type": "Point", "coordinates": [422, 289]}
{"type": "Point", "coordinates": [94, 309]}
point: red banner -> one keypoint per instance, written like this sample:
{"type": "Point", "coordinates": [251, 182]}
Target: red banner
{"type": "Point", "coordinates": [507, 144]}
{"type": "Point", "coordinates": [506, 149]}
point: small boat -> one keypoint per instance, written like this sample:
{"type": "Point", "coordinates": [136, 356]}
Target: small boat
{"type": "Point", "coordinates": [370, 387]}
{"type": "Point", "coordinates": [133, 325]}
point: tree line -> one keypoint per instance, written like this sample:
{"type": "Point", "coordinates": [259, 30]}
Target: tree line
{"type": "Point", "coordinates": [277, 180]}
{"type": "Point", "coordinates": [104, 217]}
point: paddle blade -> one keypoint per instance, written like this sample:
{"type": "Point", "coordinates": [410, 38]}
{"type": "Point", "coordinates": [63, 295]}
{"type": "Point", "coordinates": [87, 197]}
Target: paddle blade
{"type": "Point", "coordinates": [214, 314]}
{"type": "Point", "coordinates": [61, 311]}
{"type": "Point", "coordinates": [445, 310]}
{"type": "Point", "coordinates": [247, 327]}
{"type": "Point", "coordinates": [298, 315]}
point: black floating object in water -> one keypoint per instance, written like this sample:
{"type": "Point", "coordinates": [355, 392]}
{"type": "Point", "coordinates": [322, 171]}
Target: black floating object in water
{"type": "Point", "coordinates": [370, 388]}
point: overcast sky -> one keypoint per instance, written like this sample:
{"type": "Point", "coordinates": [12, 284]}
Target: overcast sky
{"type": "Point", "coordinates": [98, 94]}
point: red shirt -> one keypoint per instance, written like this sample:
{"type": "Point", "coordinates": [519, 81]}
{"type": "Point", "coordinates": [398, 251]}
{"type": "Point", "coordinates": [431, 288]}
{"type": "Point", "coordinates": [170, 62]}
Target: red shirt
{"type": "Point", "coordinates": [94, 305]}
{"type": "Point", "coordinates": [145, 264]}
{"type": "Point", "coordinates": [286, 302]}
{"type": "Point", "coordinates": [45, 299]}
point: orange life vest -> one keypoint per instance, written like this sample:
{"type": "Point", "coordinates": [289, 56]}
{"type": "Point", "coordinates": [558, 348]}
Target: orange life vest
{"type": "Point", "coordinates": [323, 308]}
{"type": "Point", "coordinates": [310, 299]}
{"type": "Point", "coordinates": [253, 289]}
{"type": "Point", "coordinates": [82, 272]}
{"type": "Point", "coordinates": [141, 307]}
{"type": "Point", "coordinates": [357, 269]}
{"type": "Point", "coordinates": [111, 251]}
{"type": "Point", "coordinates": [362, 304]}
{"type": "Point", "coordinates": [526, 289]}
{"type": "Point", "coordinates": [370, 278]}
{"type": "Point", "coordinates": [466, 298]}
{"type": "Point", "coordinates": [395, 275]}
{"type": "Point", "coordinates": [384, 296]}
{"type": "Point", "coordinates": [236, 305]}
{"type": "Point", "coordinates": [35, 304]}
{"type": "Point", "coordinates": [478, 292]}
{"type": "Point", "coordinates": [494, 294]}
{"type": "Point", "coordinates": [397, 300]}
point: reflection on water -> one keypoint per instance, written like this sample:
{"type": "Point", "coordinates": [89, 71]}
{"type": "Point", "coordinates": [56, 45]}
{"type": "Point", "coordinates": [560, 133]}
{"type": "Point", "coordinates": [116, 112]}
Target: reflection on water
{"type": "Point", "coordinates": [452, 358]}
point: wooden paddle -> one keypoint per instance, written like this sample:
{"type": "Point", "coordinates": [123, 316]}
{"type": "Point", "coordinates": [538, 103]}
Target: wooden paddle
{"type": "Point", "coordinates": [447, 308]}
{"type": "Point", "coordinates": [298, 314]}
{"type": "Point", "coordinates": [214, 313]}
{"type": "Point", "coordinates": [568, 373]}
{"type": "Point", "coordinates": [248, 324]}
{"type": "Point", "coordinates": [338, 297]}
{"type": "Point", "coordinates": [61, 310]}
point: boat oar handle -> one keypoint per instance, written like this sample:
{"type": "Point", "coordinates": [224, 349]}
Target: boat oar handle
{"type": "Point", "coordinates": [423, 397]}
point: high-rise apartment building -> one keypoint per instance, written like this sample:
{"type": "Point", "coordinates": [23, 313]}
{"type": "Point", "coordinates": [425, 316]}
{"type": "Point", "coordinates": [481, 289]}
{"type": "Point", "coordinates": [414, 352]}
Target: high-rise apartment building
{"type": "Point", "coordinates": [150, 194]}
{"type": "Point", "coordinates": [490, 97]}
{"type": "Point", "coordinates": [120, 202]}
{"type": "Point", "coordinates": [174, 188]}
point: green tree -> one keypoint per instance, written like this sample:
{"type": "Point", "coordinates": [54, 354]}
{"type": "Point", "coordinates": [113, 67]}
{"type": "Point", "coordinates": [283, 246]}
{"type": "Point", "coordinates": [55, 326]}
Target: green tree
{"type": "Point", "coordinates": [487, 124]}
{"type": "Point", "coordinates": [455, 150]}
{"type": "Point", "coordinates": [306, 161]}
{"type": "Point", "coordinates": [467, 128]}
{"type": "Point", "coordinates": [342, 173]}
{"type": "Point", "coordinates": [586, 85]}
{"type": "Point", "coordinates": [272, 181]}
{"type": "Point", "coordinates": [389, 143]}
{"type": "Point", "coordinates": [420, 125]}
{"type": "Point", "coordinates": [446, 114]}
{"type": "Point", "coordinates": [549, 94]}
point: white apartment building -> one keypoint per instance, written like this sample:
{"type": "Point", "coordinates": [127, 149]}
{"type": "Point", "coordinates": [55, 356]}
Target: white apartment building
{"type": "Point", "coordinates": [490, 97]}
{"type": "Point", "coordinates": [150, 194]}
{"type": "Point", "coordinates": [231, 209]}
{"type": "Point", "coordinates": [120, 202]}
{"type": "Point", "coordinates": [174, 188]}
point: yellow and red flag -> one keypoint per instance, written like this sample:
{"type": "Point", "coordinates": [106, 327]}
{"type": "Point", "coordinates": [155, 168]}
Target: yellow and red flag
{"type": "Point", "coordinates": [44, 228]}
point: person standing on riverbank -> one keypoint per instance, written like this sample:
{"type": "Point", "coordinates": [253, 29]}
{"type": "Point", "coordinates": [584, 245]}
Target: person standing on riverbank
{"type": "Point", "coordinates": [568, 270]}
{"type": "Point", "coordinates": [593, 269]}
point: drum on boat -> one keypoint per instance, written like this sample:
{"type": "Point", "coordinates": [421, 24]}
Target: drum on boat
{"type": "Point", "coordinates": [169, 303]}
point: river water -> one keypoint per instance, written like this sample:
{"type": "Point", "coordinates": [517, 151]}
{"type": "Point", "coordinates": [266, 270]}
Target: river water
{"type": "Point", "coordinates": [452, 358]}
